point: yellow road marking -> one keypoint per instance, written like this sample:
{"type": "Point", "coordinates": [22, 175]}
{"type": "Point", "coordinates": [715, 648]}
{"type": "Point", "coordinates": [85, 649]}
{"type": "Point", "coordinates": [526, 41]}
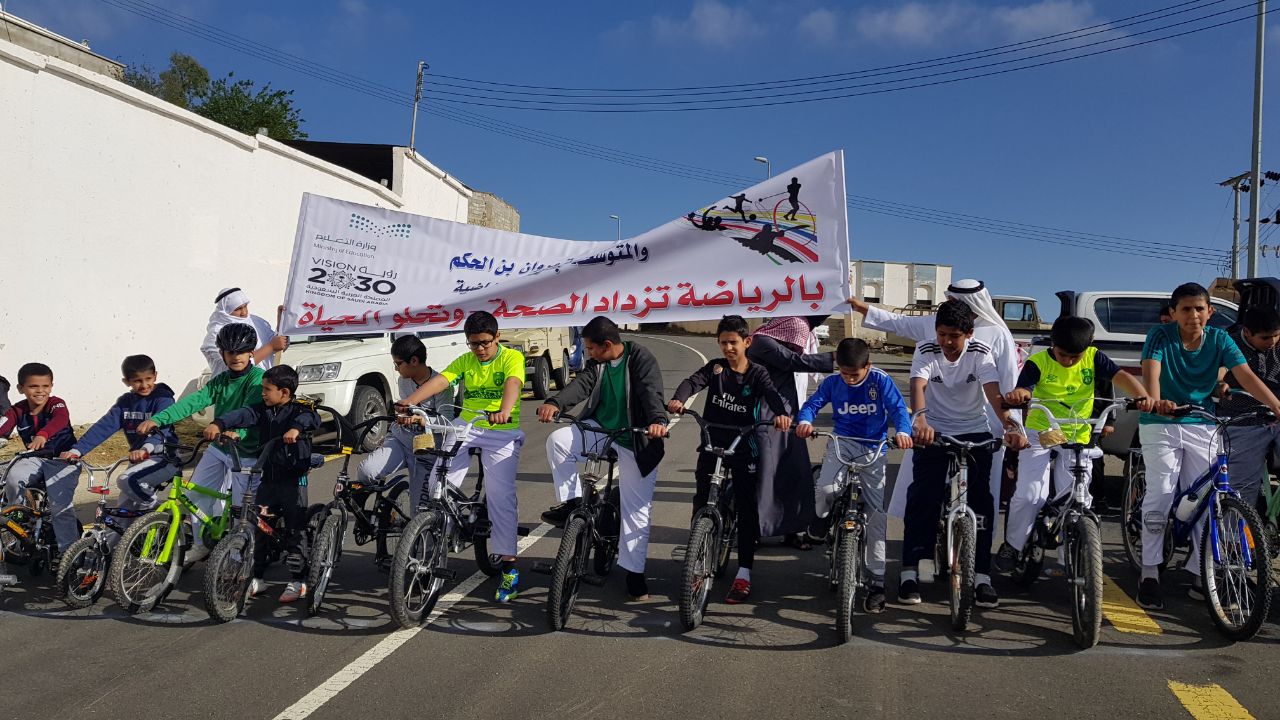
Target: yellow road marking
{"type": "Point", "coordinates": [1209, 702]}
{"type": "Point", "coordinates": [1123, 613]}
{"type": "Point", "coordinates": [335, 456]}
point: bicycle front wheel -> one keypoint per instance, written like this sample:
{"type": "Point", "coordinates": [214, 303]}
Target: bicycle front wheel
{"type": "Point", "coordinates": [325, 551]}
{"type": "Point", "coordinates": [849, 557]}
{"type": "Point", "coordinates": [699, 571]}
{"type": "Point", "coordinates": [566, 574]}
{"type": "Point", "coordinates": [82, 574]}
{"type": "Point", "coordinates": [1237, 583]}
{"type": "Point", "coordinates": [962, 577]}
{"type": "Point", "coordinates": [227, 575]}
{"type": "Point", "coordinates": [1135, 489]}
{"type": "Point", "coordinates": [415, 578]}
{"type": "Point", "coordinates": [1084, 548]}
{"type": "Point", "coordinates": [138, 577]}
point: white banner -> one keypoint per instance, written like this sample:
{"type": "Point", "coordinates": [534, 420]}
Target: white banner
{"type": "Point", "coordinates": [778, 248]}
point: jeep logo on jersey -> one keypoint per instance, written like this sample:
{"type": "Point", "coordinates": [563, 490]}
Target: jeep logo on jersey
{"type": "Point", "coordinates": [851, 409]}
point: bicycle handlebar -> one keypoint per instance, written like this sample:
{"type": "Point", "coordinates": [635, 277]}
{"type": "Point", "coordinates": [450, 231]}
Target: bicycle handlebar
{"type": "Point", "coordinates": [955, 443]}
{"type": "Point", "coordinates": [741, 431]}
{"type": "Point", "coordinates": [1095, 425]}
{"type": "Point", "coordinates": [879, 448]}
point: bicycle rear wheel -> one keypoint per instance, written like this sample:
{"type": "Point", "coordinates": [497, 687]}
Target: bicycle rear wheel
{"type": "Point", "coordinates": [728, 538]}
{"type": "Point", "coordinates": [961, 579]}
{"type": "Point", "coordinates": [1237, 585]}
{"type": "Point", "coordinates": [415, 578]}
{"type": "Point", "coordinates": [1135, 488]}
{"type": "Point", "coordinates": [848, 551]}
{"type": "Point", "coordinates": [325, 551]}
{"type": "Point", "coordinates": [699, 572]}
{"type": "Point", "coordinates": [137, 577]}
{"type": "Point", "coordinates": [82, 574]}
{"type": "Point", "coordinates": [489, 563]}
{"type": "Point", "coordinates": [566, 574]}
{"type": "Point", "coordinates": [227, 574]}
{"type": "Point", "coordinates": [1084, 548]}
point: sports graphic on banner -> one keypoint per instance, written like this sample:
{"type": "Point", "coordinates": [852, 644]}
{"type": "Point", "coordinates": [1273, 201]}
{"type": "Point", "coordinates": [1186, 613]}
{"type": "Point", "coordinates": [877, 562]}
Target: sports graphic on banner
{"type": "Point", "coordinates": [778, 248]}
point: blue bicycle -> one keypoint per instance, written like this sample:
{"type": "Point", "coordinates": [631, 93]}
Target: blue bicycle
{"type": "Point", "coordinates": [1234, 562]}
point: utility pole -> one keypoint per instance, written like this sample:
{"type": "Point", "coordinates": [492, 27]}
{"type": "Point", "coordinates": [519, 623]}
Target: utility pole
{"type": "Point", "coordinates": [417, 98]}
{"type": "Point", "coordinates": [1236, 186]}
{"type": "Point", "coordinates": [1255, 171]}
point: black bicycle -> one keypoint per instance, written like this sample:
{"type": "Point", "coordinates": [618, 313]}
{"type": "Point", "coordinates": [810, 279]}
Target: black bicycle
{"type": "Point", "coordinates": [447, 520]}
{"type": "Point", "coordinates": [26, 527]}
{"type": "Point", "coordinates": [229, 568]}
{"type": "Point", "coordinates": [714, 527]}
{"type": "Point", "coordinates": [592, 526]}
{"type": "Point", "coordinates": [847, 536]}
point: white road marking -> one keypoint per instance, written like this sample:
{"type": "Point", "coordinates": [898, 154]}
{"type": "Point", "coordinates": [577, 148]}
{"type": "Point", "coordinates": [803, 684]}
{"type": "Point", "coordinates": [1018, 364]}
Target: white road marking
{"type": "Point", "coordinates": [315, 699]}
{"type": "Point", "coordinates": [691, 349]}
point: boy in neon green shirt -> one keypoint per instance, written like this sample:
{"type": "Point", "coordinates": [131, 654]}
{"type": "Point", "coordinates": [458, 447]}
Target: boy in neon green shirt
{"type": "Point", "coordinates": [492, 376]}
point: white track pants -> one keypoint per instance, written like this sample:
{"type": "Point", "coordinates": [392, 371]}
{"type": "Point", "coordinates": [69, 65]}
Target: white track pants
{"type": "Point", "coordinates": [1176, 455]}
{"type": "Point", "coordinates": [500, 456]}
{"type": "Point", "coordinates": [1036, 467]}
{"type": "Point", "coordinates": [872, 478]}
{"type": "Point", "coordinates": [214, 472]}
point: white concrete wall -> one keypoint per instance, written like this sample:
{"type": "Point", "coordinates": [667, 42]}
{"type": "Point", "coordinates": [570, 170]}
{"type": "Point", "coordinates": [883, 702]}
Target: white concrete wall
{"type": "Point", "coordinates": [121, 216]}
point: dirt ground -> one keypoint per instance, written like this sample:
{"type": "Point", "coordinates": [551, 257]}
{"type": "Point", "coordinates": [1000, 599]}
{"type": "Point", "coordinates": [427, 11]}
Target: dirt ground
{"type": "Point", "coordinates": [115, 446]}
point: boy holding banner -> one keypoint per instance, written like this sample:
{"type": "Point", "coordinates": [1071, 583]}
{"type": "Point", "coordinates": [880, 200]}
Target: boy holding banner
{"type": "Point", "coordinates": [492, 377]}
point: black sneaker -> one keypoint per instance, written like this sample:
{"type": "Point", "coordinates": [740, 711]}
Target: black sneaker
{"type": "Point", "coordinates": [558, 514]}
{"type": "Point", "coordinates": [984, 596]}
{"type": "Point", "coordinates": [873, 603]}
{"type": "Point", "coordinates": [909, 592]}
{"type": "Point", "coordinates": [637, 586]}
{"type": "Point", "coordinates": [1149, 595]}
{"type": "Point", "coordinates": [1006, 558]}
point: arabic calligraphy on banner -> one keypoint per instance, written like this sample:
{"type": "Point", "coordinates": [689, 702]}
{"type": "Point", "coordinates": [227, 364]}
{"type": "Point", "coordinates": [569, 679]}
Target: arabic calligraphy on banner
{"type": "Point", "coordinates": [778, 248]}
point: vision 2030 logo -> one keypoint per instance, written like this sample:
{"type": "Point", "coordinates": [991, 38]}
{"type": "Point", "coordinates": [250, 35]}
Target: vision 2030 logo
{"type": "Point", "coordinates": [364, 224]}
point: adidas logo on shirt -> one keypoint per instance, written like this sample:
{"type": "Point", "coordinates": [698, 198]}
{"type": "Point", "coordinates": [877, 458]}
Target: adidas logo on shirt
{"type": "Point", "coordinates": [971, 378]}
{"type": "Point", "coordinates": [936, 378]}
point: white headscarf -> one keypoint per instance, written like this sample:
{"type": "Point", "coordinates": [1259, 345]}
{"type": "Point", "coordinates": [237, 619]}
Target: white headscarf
{"type": "Point", "coordinates": [227, 301]}
{"type": "Point", "coordinates": [974, 294]}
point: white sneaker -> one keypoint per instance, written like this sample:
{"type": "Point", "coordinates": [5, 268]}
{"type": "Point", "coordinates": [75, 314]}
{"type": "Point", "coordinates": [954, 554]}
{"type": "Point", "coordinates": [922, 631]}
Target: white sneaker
{"type": "Point", "coordinates": [198, 552]}
{"type": "Point", "coordinates": [256, 585]}
{"type": "Point", "coordinates": [295, 590]}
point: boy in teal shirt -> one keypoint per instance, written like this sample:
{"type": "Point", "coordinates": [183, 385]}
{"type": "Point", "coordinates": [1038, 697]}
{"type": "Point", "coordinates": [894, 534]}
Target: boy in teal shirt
{"type": "Point", "coordinates": [240, 386]}
{"type": "Point", "coordinates": [492, 376]}
{"type": "Point", "coordinates": [1180, 364]}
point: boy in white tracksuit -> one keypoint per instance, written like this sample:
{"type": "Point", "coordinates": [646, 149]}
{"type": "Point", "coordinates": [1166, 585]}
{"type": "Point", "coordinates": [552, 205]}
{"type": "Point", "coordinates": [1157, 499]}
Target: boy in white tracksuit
{"type": "Point", "coordinates": [410, 358]}
{"type": "Point", "coordinates": [621, 386]}
{"type": "Point", "coordinates": [492, 377]}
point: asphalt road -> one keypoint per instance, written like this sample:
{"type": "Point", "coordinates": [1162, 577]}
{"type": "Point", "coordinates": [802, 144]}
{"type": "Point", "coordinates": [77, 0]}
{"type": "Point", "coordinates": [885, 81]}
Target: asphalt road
{"type": "Point", "coordinates": [774, 657]}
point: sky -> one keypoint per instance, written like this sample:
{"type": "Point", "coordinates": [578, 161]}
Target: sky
{"type": "Point", "coordinates": [1130, 145]}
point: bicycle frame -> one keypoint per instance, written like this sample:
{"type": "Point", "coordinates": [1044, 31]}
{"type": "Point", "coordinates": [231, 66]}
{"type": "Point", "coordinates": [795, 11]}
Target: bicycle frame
{"type": "Point", "coordinates": [439, 492]}
{"type": "Point", "coordinates": [179, 504]}
{"type": "Point", "coordinates": [719, 474]}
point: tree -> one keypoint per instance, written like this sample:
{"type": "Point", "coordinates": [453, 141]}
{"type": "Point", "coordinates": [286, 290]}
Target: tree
{"type": "Point", "coordinates": [236, 104]}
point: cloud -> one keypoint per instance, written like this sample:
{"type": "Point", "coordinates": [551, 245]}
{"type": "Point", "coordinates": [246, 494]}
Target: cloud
{"type": "Point", "coordinates": [1048, 17]}
{"type": "Point", "coordinates": [709, 22]}
{"type": "Point", "coordinates": [822, 25]}
{"type": "Point", "coordinates": [921, 23]}
{"type": "Point", "coordinates": [354, 8]}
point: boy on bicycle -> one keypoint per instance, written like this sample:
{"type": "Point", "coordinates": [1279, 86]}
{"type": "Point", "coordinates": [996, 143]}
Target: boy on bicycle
{"type": "Point", "coordinates": [864, 400]}
{"type": "Point", "coordinates": [43, 423]}
{"type": "Point", "coordinates": [279, 415]}
{"type": "Point", "coordinates": [1250, 445]}
{"type": "Point", "coordinates": [150, 464]}
{"type": "Point", "coordinates": [735, 387]}
{"type": "Point", "coordinates": [409, 356]}
{"type": "Point", "coordinates": [949, 379]}
{"type": "Point", "coordinates": [1065, 379]}
{"type": "Point", "coordinates": [492, 377]}
{"type": "Point", "coordinates": [239, 386]}
{"type": "Point", "coordinates": [622, 387]}
{"type": "Point", "coordinates": [1180, 366]}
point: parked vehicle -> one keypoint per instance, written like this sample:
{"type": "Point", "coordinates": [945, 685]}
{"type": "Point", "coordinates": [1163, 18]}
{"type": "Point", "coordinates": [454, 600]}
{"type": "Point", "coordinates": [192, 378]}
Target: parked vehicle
{"type": "Point", "coordinates": [548, 356]}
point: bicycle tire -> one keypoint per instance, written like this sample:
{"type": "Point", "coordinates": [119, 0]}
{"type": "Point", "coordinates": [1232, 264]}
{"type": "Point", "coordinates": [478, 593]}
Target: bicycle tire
{"type": "Point", "coordinates": [566, 574]}
{"type": "Point", "coordinates": [415, 586]}
{"type": "Point", "coordinates": [12, 547]}
{"type": "Point", "coordinates": [728, 538]}
{"type": "Point", "coordinates": [849, 552]}
{"type": "Point", "coordinates": [82, 574]}
{"type": "Point", "coordinates": [1237, 609]}
{"type": "Point", "coordinates": [325, 553]}
{"type": "Point", "coordinates": [963, 572]}
{"type": "Point", "coordinates": [698, 572]}
{"type": "Point", "coordinates": [1131, 516]}
{"type": "Point", "coordinates": [227, 574]}
{"type": "Point", "coordinates": [130, 570]}
{"type": "Point", "coordinates": [488, 563]}
{"type": "Point", "coordinates": [1084, 548]}
{"type": "Point", "coordinates": [393, 515]}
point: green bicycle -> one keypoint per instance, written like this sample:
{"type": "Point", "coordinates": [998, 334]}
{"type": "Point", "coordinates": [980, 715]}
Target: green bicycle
{"type": "Point", "coordinates": [148, 561]}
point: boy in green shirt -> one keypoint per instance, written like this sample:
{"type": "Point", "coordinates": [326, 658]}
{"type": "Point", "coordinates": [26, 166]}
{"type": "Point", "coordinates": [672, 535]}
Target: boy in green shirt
{"type": "Point", "coordinates": [492, 376]}
{"type": "Point", "coordinates": [240, 386]}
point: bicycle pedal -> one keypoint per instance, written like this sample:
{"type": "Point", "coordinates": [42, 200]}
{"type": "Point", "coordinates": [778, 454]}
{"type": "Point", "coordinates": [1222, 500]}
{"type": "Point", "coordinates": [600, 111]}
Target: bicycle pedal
{"type": "Point", "coordinates": [543, 566]}
{"type": "Point", "coordinates": [481, 529]}
{"type": "Point", "coordinates": [595, 580]}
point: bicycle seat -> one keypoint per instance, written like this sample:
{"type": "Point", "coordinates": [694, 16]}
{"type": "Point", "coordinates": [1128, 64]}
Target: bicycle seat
{"type": "Point", "coordinates": [317, 460]}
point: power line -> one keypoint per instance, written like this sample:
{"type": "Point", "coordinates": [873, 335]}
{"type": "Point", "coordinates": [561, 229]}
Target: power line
{"type": "Point", "coordinates": [1088, 241]}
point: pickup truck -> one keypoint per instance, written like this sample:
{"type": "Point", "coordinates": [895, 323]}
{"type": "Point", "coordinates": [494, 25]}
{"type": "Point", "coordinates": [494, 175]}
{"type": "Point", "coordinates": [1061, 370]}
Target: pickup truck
{"type": "Point", "coordinates": [1121, 320]}
{"type": "Point", "coordinates": [548, 356]}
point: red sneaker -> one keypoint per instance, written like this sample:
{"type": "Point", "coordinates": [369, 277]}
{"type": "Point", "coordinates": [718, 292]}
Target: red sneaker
{"type": "Point", "coordinates": [739, 593]}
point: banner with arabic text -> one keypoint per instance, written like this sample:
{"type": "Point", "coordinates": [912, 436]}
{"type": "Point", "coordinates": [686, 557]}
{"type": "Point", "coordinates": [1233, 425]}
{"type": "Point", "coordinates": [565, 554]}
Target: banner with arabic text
{"type": "Point", "coordinates": [778, 248]}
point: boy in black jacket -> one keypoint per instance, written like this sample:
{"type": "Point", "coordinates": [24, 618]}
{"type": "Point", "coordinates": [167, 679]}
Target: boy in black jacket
{"type": "Point", "coordinates": [279, 416]}
{"type": "Point", "coordinates": [622, 387]}
{"type": "Point", "coordinates": [735, 389]}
